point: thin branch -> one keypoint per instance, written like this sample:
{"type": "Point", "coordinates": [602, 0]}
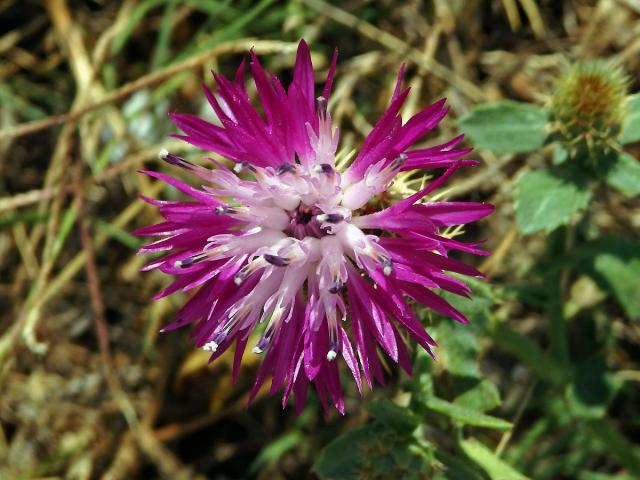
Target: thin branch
{"type": "Point", "coordinates": [238, 46]}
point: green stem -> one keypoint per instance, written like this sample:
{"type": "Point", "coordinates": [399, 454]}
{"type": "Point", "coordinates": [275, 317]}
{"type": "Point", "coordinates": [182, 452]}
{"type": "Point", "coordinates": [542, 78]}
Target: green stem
{"type": "Point", "coordinates": [560, 243]}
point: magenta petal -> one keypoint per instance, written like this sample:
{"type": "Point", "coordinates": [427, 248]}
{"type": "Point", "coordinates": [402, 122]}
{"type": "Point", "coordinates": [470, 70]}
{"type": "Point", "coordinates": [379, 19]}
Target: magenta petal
{"type": "Point", "coordinates": [350, 359]}
{"type": "Point", "coordinates": [275, 246]}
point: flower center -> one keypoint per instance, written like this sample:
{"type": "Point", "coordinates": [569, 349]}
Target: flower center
{"type": "Point", "coordinates": [304, 222]}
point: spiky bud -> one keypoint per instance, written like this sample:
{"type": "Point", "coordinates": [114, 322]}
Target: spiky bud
{"type": "Point", "coordinates": [588, 108]}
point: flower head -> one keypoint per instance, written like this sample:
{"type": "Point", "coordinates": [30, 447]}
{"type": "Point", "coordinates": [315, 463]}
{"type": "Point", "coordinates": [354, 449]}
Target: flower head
{"type": "Point", "coordinates": [588, 108]}
{"type": "Point", "coordinates": [284, 249]}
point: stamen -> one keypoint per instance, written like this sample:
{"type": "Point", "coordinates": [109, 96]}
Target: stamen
{"type": "Point", "coordinates": [248, 269]}
{"type": "Point", "coordinates": [330, 218]}
{"type": "Point", "coordinates": [219, 337]}
{"type": "Point", "coordinates": [231, 210]}
{"type": "Point", "coordinates": [323, 168]}
{"type": "Point", "coordinates": [238, 167]}
{"type": "Point", "coordinates": [322, 106]}
{"type": "Point", "coordinates": [387, 266]}
{"type": "Point", "coordinates": [192, 260]}
{"type": "Point", "coordinates": [286, 168]}
{"type": "Point", "coordinates": [262, 345]}
{"type": "Point", "coordinates": [173, 159]}
{"type": "Point", "coordinates": [398, 161]}
{"type": "Point", "coordinates": [210, 347]}
{"type": "Point", "coordinates": [276, 260]}
{"type": "Point", "coordinates": [334, 348]}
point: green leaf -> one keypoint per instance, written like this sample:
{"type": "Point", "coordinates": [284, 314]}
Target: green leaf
{"type": "Point", "coordinates": [546, 199]}
{"type": "Point", "coordinates": [66, 224]}
{"type": "Point", "coordinates": [529, 353]}
{"type": "Point", "coordinates": [506, 127]}
{"type": "Point", "coordinates": [623, 278]}
{"type": "Point", "coordinates": [604, 476]}
{"type": "Point", "coordinates": [397, 418]}
{"type": "Point", "coordinates": [482, 397]}
{"type": "Point", "coordinates": [631, 125]}
{"type": "Point", "coordinates": [624, 175]}
{"type": "Point", "coordinates": [276, 449]}
{"type": "Point", "coordinates": [496, 468]}
{"type": "Point", "coordinates": [560, 154]}
{"type": "Point", "coordinates": [456, 467]}
{"type": "Point", "coordinates": [373, 451]}
{"type": "Point", "coordinates": [466, 416]}
{"type": "Point", "coordinates": [460, 349]}
{"type": "Point", "coordinates": [119, 234]}
{"type": "Point", "coordinates": [618, 445]}
{"type": "Point", "coordinates": [592, 389]}
{"type": "Point", "coordinates": [133, 19]}
{"type": "Point", "coordinates": [614, 263]}
{"type": "Point", "coordinates": [343, 458]}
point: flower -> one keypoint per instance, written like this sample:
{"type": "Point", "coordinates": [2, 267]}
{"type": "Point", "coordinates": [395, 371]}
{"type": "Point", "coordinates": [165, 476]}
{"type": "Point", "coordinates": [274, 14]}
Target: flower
{"type": "Point", "coordinates": [286, 243]}
{"type": "Point", "coordinates": [588, 109]}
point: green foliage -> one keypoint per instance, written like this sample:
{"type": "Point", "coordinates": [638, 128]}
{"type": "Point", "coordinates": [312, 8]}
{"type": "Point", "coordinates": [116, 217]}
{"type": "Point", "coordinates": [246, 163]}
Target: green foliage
{"type": "Point", "coordinates": [631, 125]}
{"type": "Point", "coordinates": [506, 127]}
{"type": "Point", "coordinates": [529, 353]}
{"type": "Point", "coordinates": [275, 449]}
{"type": "Point", "coordinates": [547, 199]}
{"type": "Point", "coordinates": [463, 415]}
{"type": "Point", "coordinates": [391, 446]}
{"type": "Point", "coordinates": [615, 265]}
{"type": "Point", "coordinates": [624, 174]}
{"type": "Point", "coordinates": [592, 389]}
{"type": "Point", "coordinates": [621, 276]}
{"type": "Point", "coordinates": [496, 468]}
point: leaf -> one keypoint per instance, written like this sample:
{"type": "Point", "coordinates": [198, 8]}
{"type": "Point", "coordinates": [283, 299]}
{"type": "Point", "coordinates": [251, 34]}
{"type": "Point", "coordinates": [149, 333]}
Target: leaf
{"type": "Point", "coordinates": [133, 19]}
{"type": "Point", "coordinates": [604, 476]}
{"type": "Point", "coordinates": [456, 467]}
{"type": "Point", "coordinates": [623, 278]}
{"type": "Point", "coordinates": [66, 224]}
{"type": "Point", "coordinates": [397, 418]}
{"type": "Point", "coordinates": [373, 451]}
{"type": "Point", "coordinates": [482, 397]}
{"type": "Point", "coordinates": [546, 199]}
{"type": "Point", "coordinates": [275, 449]}
{"type": "Point", "coordinates": [506, 127]}
{"type": "Point", "coordinates": [496, 468]}
{"type": "Point", "coordinates": [618, 445]}
{"type": "Point", "coordinates": [592, 389]}
{"type": "Point", "coordinates": [560, 154]}
{"type": "Point", "coordinates": [466, 416]}
{"type": "Point", "coordinates": [459, 352]}
{"type": "Point", "coordinates": [343, 458]}
{"type": "Point", "coordinates": [631, 125]}
{"type": "Point", "coordinates": [624, 175]}
{"type": "Point", "coordinates": [119, 234]}
{"type": "Point", "coordinates": [614, 263]}
{"type": "Point", "coordinates": [529, 353]}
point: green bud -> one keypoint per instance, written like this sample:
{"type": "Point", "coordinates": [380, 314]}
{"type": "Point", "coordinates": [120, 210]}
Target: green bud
{"type": "Point", "coordinates": [588, 109]}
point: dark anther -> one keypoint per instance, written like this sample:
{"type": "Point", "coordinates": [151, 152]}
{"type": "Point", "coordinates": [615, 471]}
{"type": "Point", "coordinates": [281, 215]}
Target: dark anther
{"type": "Point", "coordinates": [173, 159]}
{"type": "Point", "coordinates": [190, 261]}
{"type": "Point", "coordinates": [286, 168]}
{"type": "Point", "coordinates": [399, 161]}
{"type": "Point", "coordinates": [330, 218]}
{"type": "Point", "coordinates": [276, 260]}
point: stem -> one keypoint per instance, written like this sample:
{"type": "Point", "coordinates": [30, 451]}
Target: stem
{"type": "Point", "coordinates": [560, 243]}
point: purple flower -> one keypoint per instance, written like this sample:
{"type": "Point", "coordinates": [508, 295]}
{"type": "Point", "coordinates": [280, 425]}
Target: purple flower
{"type": "Point", "coordinates": [288, 247]}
